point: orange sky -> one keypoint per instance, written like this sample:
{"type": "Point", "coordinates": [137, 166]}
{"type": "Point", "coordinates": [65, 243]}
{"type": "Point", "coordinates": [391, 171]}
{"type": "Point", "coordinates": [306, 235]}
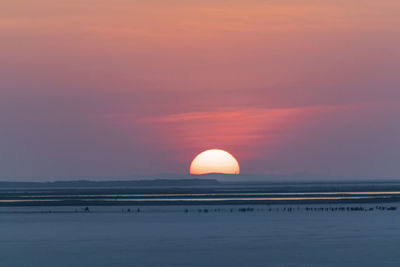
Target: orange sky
{"type": "Point", "coordinates": [122, 87]}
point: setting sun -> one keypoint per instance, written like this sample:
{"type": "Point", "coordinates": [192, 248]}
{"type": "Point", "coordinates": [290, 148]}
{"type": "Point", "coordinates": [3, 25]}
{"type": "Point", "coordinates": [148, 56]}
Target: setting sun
{"type": "Point", "coordinates": [214, 161]}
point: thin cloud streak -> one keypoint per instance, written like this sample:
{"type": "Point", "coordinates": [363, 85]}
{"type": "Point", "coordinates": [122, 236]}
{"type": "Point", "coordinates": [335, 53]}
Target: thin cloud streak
{"type": "Point", "coordinates": [101, 88]}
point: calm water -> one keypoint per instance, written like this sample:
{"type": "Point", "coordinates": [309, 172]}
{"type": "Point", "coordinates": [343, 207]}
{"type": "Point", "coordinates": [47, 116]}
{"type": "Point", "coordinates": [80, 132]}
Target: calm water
{"type": "Point", "coordinates": [262, 235]}
{"type": "Point", "coordinates": [211, 195]}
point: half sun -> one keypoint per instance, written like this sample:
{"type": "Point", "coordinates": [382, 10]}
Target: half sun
{"type": "Point", "coordinates": [214, 161]}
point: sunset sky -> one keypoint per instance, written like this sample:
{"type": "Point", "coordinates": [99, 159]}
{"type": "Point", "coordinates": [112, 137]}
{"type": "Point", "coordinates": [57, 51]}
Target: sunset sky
{"type": "Point", "coordinates": [97, 88]}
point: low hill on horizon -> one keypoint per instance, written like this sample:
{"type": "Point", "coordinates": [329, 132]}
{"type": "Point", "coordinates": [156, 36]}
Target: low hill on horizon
{"type": "Point", "coordinates": [170, 179]}
{"type": "Point", "coordinates": [128, 183]}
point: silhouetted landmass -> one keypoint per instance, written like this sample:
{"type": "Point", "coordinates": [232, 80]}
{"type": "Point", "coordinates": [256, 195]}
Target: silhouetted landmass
{"type": "Point", "coordinates": [93, 202]}
{"type": "Point", "coordinates": [108, 184]}
{"type": "Point", "coordinates": [302, 178]}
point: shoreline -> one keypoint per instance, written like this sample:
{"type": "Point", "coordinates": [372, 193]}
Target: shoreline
{"type": "Point", "coordinates": [197, 202]}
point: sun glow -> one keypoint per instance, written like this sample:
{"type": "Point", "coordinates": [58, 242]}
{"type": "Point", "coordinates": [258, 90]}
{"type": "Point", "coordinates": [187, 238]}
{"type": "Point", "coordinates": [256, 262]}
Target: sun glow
{"type": "Point", "coordinates": [214, 161]}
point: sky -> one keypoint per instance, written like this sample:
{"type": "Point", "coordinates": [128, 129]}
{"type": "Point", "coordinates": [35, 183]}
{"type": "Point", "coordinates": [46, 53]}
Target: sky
{"type": "Point", "coordinates": [99, 88]}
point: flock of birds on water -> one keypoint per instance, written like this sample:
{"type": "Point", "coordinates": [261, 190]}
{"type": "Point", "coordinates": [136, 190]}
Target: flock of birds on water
{"type": "Point", "coordinates": [240, 209]}
{"type": "Point", "coordinates": [251, 209]}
